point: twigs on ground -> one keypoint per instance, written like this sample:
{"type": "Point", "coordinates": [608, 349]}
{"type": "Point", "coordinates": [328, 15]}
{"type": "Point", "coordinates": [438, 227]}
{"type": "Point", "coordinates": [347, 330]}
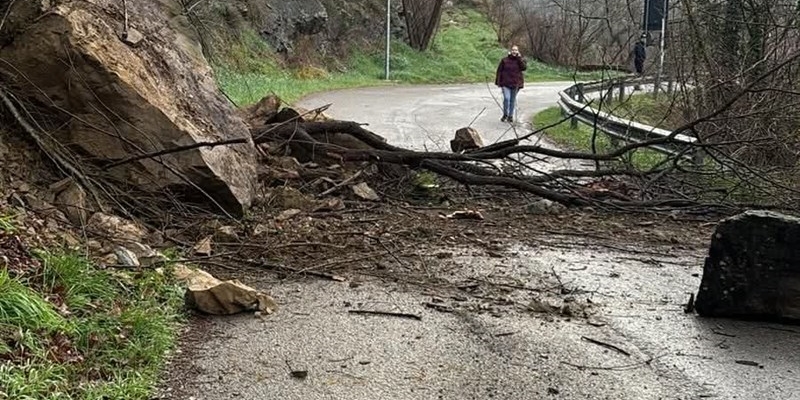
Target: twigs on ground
{"type": "Point", "coordinates": [606, 345]}
{"type": "Point", "coordinates": [386, 314]}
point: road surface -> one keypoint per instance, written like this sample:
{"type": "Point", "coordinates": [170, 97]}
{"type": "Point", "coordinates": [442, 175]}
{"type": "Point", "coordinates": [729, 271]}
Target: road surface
{"type": "Point", "coordinates": [637, 342]}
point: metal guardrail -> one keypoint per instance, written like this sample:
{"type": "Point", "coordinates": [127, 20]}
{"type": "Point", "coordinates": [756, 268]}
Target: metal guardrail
{"type": "Point", "coordinates": [573, 102]}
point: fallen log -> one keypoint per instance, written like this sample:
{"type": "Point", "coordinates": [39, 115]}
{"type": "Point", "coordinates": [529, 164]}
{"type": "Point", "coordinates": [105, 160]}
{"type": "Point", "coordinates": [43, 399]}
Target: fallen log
{"type": "Point", "coordinates": [753, 268]}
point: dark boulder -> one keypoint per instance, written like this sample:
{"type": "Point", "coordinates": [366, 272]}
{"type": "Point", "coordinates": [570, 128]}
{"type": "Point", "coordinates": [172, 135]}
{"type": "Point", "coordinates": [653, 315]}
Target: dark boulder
{"type": "Point", "coordinates": [753, 268]}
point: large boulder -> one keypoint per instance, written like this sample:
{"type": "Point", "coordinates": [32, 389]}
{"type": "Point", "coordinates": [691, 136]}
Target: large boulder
{"type": "Point", "coordinates": [126, 93]}
{"type": "Point", "coordinates": [753, 268]}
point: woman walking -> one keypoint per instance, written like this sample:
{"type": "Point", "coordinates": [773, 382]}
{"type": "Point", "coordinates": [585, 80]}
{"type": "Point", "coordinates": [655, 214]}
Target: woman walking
{"type": "Point", "coordinates": [510, 78]}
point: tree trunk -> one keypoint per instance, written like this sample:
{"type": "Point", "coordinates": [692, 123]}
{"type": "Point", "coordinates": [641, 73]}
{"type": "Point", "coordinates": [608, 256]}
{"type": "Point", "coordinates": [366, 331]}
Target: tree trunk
{"type": "Point", "coordinates": [422, 20]}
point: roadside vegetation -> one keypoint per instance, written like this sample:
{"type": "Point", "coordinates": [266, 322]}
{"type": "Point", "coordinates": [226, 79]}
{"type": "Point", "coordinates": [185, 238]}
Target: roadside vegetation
{"type": "Point", "coordinates": [69, 330]}
{"type": "Point", "coordinates": [661, 112]}
{"type": "Point", "coordinates": [582, 137]}
{"type": "Point", "coordinates": [465, 50]}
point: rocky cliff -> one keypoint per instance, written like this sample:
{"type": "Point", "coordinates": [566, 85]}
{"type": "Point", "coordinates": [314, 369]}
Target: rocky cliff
{"type": "Point", "coordinates": [317, 28]}
{"type": "Point", "coordinates": [126, 80]}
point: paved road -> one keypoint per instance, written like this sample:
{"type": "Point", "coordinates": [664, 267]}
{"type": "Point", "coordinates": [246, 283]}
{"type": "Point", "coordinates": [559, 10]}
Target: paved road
{"type": "Point", "coordinates": [484, 350]}
{"type": "Point", "coordinates": [426, 117]}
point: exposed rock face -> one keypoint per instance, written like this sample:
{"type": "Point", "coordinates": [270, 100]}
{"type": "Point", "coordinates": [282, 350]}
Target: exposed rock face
{"type": "Point", "coordinates": [753, 268]}
{"type": "Point", "coordinates": [291, 19]}
{"type": "Point", "coordinates": [121, 100]}
{"type": "Point", "coordinates": [300, 27]}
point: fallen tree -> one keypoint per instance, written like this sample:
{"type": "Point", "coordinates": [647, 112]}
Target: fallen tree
{"type": "Point", "coordinates": [348, 142]}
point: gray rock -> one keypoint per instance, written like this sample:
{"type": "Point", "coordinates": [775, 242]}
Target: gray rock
{"type": "Point", "coordinates": [292, 19]}
{"type": "Point", "coordinates": [72, 201]}
{"type": "Point", "coordinates": [126, 257]}
{"type": "Point", "coordinates": [466, 139]}
{"type": "Point", "coordinates": [114, 228]}
{"type": "Point", "coordinates": [132, 37]}
{"type": "Point", "coordinates": [226, 234]}
{"type": "Point", "coordinates": [155, 96]}
{"type": "Point", "coordinates": [753, 268]}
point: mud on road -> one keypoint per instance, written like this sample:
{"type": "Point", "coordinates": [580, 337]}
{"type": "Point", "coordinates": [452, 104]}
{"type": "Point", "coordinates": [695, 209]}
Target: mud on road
{"type": "Point", "coordinates": [573, 306]}
{"type": "Point", "coordinates": [526, 303]}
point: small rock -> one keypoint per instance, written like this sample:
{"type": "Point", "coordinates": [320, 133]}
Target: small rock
{"type": "Point", "coordinates": [365, 192]}
{"type": "Point", "coordinates": [115, 228]}
{"type": "Point", "coordinates": [288, 197]}
{"type": "Point", "coordinates": [334, 204]}
{"type": "Point", "coordinates": [286, 215]}
{"type": "Point", "coordinates": [93, 245]}
{"type": "Point", "coordinates": [146, 255]}
{"type": "Point", "coordinates": [226, 234]}
{"type": "Point", "coordinates": [260, 229]}
{"type": "Point", "coordinates": [132, 37]}
{"type": "Point", "coordinates": [72, 201]}
{"type": "Point", "coordinates": [552, 391]}
{"type": "Point", "coordinates": [467, 214]}
{"type": "Point", "coordinates": [466, 139]}
{"type": "Point", "coordinates": [203, 247]}
{"type": "Point", "coordinates": [544, 206]}
{"type": "Point", "coordinates": [212, 296]}
{"type": "Point", "coordinates": [126, 257]}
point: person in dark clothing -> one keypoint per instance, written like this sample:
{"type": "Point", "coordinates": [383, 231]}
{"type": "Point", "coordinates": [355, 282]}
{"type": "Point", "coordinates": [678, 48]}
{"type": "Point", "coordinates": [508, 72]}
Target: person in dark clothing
{"type": "Point", "coordinates": [510, 79]}
{"type": "Point", "coordinates": [639, 55]}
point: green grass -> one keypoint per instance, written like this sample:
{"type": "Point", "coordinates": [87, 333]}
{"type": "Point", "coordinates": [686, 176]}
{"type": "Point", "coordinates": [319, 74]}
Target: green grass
{"type": "Point", "coordinates": [465, 50]}
{"type": "Point", "coordinates": [580, 139]}
{"type": "Point", "coordinates": [21, 307]}
{"type": "Point", "coordinates": [661, 112]}
{"type": "Point", "coordinates": [107, 342]}
{"type": "Point", "coordinates": [7, 224]}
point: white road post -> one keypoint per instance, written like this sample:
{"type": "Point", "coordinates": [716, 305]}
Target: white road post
{"type": "Point", "coordinates": [388, 34]}
{"type": "Point", "coordinates": [661, 49]}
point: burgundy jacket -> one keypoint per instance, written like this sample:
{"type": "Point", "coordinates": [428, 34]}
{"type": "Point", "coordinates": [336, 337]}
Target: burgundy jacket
{"type": "Point", "coordinates": [509, 72]}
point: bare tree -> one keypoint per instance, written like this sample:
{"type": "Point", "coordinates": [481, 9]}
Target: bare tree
{"type": "Point", "coordinates": [422, 19]}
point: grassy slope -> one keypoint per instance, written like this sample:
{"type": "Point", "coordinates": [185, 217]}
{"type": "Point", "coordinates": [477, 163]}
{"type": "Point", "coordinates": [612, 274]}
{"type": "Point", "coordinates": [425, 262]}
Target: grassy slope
{"type": "Point", "coordinates": [465, 50]}
{"type": "Point", "coordinates": [661, 112]}
{"type": "Point", "coordinates": [580, 139]}
{"type": "Point", "coordinates": [71, 331]}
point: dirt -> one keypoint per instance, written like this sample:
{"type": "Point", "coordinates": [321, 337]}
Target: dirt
{"type": "Point", "coordinates": [580, 304]}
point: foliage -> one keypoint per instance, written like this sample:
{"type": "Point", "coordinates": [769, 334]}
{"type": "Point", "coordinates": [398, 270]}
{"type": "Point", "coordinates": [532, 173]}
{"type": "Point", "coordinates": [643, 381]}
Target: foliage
{"type": "Point", "coordinates": [21, 308]}
{"type": "Point", "coordinates": [108, 338]}
{"type": "Point", "coordinates": [465, 50]}
{"type": "Point", "coordinates": [580, 139]}
{"type": "Point", "coordinates": [7, 223]}
{"type": "Point", "coordinates": [661, 112]}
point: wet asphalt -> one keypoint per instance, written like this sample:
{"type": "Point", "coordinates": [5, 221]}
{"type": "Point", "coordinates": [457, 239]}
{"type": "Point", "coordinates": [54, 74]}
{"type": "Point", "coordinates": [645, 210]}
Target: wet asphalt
{"type": "Point", "coordinates": [626, 336]}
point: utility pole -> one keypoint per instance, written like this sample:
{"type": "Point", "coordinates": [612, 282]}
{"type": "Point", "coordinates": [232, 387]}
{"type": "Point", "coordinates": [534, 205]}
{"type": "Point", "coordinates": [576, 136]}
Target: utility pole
{"type": "Point", "coordinates": [388, 34]}
{"type": "Point", "coordinates": [661, 46]}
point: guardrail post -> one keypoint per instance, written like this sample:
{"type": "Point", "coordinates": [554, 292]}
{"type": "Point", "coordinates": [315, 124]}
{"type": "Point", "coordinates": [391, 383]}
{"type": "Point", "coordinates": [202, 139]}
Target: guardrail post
{"type": "Point", "coordinates": [670, 84]}
{"type": "Point", "coordinates": [573, 123]}
{"type": "Point", "coordinates": [579, 93]}
{"type": "Point", "coordinates": [621, 93]}
{"type": "Point", "coordinates": [698, 156]}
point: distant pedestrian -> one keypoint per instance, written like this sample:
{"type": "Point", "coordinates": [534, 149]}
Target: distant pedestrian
{"type": "Point", "coordinates": [639, 56]}
{"type": "Point", "coordinates": [510, 79]}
